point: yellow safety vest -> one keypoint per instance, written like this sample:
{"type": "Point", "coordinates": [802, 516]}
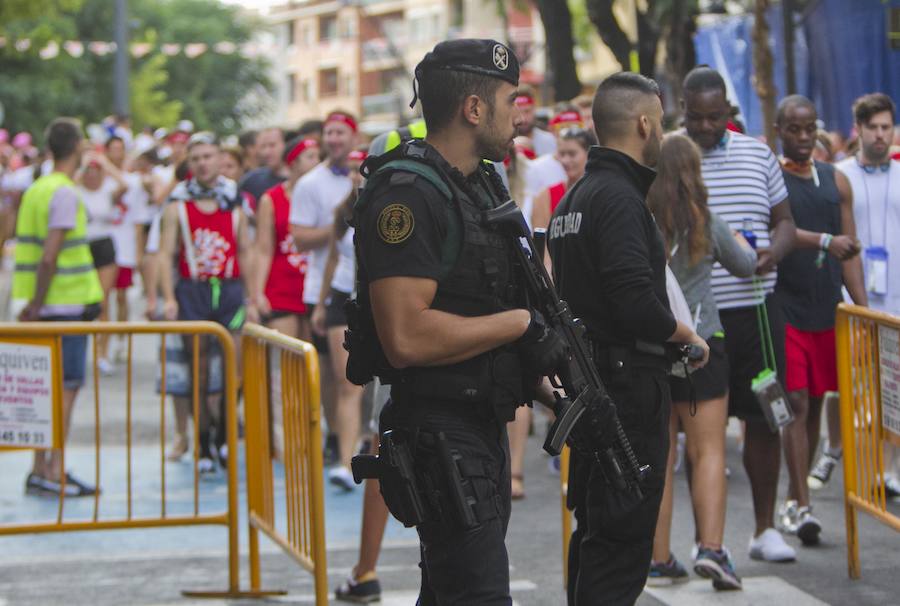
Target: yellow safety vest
{"type": "Point", "coordinates": [75, 281]}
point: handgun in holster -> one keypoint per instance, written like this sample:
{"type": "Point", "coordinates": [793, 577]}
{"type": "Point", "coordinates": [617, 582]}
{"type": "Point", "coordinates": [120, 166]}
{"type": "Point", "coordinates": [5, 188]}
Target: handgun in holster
{"type": "Point", "coordinates": [460, 494]}
{"type": "Point", "coordinates": [393, 467]}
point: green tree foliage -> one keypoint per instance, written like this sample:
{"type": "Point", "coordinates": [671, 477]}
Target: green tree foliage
{"type": "Point", "coordinates": [21, 16]}
{"type": "Point", "coordinates": [210, 89]}
{"type": "Point", "coordinates": [149, 103]}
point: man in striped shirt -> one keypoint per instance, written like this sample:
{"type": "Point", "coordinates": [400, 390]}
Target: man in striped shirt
{"type": "Point", "coordinates": [746, 188]}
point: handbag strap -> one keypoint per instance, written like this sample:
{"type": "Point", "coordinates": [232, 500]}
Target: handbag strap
{"type": "Point", "coordinates": [765, 329]}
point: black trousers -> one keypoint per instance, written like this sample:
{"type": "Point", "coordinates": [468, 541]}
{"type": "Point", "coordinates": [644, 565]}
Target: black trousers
{"type": "Point", "coordinates": [610, 549]}
{"type": "Point", "coordinates": [460, 566]}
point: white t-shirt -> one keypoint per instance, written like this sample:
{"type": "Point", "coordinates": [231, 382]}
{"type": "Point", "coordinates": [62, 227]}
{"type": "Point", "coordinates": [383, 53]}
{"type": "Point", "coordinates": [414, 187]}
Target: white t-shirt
{"type": "Point", "coordinates": [543, 172]}
{"type": "Point", "coordinates": [137, 199]}
{"type": "Point", "coordinates": [125, 215]}
{"type": "Point", "coordinates": [345, 273]}
{"type": "Point", "coordinates": [313, 201]}
{"type": "Point", "coordinates": [744, 181]}
{"type": "Point", "coordinates": [100, 207]}
{"type": "Point", "coordinates": [18, 180]}
{"type": "Point", "coordinates": [544, 143]}
{"type": "Point", "coordinates": [165, 174]}
{"type": "Point", "coordinates": [876, 210]}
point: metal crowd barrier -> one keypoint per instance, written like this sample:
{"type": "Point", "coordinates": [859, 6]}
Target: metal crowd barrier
{"type": "Point", "coordinates": [166, 330]}
{"type": "Point", "coordinates": [868, 356]}
{"type": "Point", "coordinates": [304, 507]}
{"type": "Point", "coordinates": [566, 514]}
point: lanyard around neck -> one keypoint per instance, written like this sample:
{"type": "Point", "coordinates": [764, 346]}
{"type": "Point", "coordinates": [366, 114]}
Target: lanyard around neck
{"type": "Point", "coordinates": [884, 205]}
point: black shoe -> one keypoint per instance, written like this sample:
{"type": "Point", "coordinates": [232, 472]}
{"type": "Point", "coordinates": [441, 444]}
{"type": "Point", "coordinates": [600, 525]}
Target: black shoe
{"type": "Point", "coordinates": [360, 592]}
{"type": "Point", "coordinates": [330, 455]}
{"type": "Point", "coordinates": [891, 487]}
{"type": "Point", "coordinates": [808, 527]}
{"type": "Point", "coordinates": [39, 486]}
{"type": "Point", "coordinates": [34, 485]}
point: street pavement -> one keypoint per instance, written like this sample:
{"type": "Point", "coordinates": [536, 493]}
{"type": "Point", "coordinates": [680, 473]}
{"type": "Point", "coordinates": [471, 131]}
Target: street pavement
{"type": "Point", "coordinates": [150, 567]}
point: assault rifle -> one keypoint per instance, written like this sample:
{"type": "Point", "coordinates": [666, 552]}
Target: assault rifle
{"type": "Point", "coordinates": [586, 406]}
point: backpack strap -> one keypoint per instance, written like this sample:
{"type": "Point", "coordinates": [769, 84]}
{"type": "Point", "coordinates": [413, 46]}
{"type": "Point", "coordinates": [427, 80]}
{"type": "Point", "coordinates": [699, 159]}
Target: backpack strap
{"type": "Point", "coordinates": [421, 169]}
{"type": "Point", "coordinates": [235, 224]}
{"type": "Point", "coordinates": [186, 240]}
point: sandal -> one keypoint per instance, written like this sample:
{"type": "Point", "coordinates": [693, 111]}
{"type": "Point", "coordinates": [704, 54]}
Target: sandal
{"type": "Point", "coordinates": [178, 448]}
{"type": "Point", "coordinates": [517, 487]}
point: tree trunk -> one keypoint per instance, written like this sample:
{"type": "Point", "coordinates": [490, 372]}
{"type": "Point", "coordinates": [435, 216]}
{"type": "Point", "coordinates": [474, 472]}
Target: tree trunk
{"type": "Point", "coordinates": [763, 80]}
{"type": "Point", "coordinates": [557, 22]}
{"type": "Point", "coordinates": [681, 55]}
{"type": "Point", "coordinates": [601, 15]}
{"type": "Point", "coordinates": [648, 40]}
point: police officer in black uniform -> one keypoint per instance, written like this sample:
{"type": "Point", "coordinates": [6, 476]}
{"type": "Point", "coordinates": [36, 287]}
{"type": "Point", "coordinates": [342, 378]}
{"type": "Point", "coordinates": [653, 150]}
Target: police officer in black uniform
{"type": "Point", "coordinates": [455, 341]}
{"type": "Point", "coordinates": [609, 265]}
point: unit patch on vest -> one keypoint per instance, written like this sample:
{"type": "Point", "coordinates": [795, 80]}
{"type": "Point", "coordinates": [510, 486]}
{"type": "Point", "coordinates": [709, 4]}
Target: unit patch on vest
{"type": "Point", "coordinates": [395, 223]}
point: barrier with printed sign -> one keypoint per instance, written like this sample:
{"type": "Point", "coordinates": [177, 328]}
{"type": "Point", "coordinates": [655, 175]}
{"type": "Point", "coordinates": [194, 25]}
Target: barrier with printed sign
{"type": "Point", "coordinates": [30, 417]}
{"type": "Point", "coordinates": [868, 355]}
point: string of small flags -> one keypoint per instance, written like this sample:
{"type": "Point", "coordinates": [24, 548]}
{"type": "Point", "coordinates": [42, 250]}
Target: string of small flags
{"type": "Point", "coordinates": [191, 50]}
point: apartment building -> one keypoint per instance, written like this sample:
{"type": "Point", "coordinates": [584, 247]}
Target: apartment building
{"type": "Point", "coordinates": [359, 55]}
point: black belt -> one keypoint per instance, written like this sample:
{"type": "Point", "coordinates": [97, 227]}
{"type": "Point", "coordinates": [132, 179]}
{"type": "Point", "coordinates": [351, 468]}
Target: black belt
{"type": "Point", "coordinates": [640, 354]}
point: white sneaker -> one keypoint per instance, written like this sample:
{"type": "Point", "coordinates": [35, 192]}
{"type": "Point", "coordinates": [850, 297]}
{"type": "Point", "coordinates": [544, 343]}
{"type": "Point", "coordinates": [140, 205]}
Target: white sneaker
{"type": "Point", "coordinates": [105, 367]}
{"type": "Point", "coordinates": [341, 477]}
{"type": "Point", "coordinates": [206, 466]}
{"type": "Point", "coordinates": [770, 547]}
{"type": "Point", "coordinates": [788, 517]}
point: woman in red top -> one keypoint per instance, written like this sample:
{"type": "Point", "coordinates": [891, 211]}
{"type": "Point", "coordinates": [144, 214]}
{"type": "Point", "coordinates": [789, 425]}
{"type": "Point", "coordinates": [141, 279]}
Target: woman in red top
{"type": "Point", "coordinates": [278, 291]}
{"type": "Point", "coordinates": [572, 152]}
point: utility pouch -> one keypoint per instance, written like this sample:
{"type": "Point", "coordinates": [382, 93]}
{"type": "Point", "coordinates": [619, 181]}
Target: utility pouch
{"type": "Point", "coordinates": [360, 345]}
{"type": "Point", "coordinates": [460, 494]}
{"type": "Point", "coordinates": [393, 467]}
{"type": "Point", "coordinates": [772, 400]}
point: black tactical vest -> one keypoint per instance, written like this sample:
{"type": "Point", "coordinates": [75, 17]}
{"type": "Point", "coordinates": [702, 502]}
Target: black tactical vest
{"type": "Point", "coordinates": [483, 280]}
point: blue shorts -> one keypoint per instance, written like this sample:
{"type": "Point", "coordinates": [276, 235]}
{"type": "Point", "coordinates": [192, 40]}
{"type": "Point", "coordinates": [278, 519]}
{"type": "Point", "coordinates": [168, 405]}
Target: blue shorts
{"type": "Point", "coordinates": [74, 360]}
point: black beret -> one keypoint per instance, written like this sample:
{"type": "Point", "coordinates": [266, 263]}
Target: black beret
{"type": "Point", "coordinates": [485, 57]}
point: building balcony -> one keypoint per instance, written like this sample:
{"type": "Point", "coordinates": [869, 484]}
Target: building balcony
{"type": "Point", "coordinates": [378, 54]}
{"type": "Point", "coordinates": [383, 104]}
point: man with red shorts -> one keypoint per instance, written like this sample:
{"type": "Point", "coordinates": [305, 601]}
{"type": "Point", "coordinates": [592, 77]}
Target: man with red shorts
{"type": "Point", "coordinates": [826, 256]}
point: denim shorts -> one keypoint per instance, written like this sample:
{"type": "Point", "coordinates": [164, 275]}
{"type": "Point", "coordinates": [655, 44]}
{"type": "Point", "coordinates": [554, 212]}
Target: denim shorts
{"type": "Point", "coordinates": [74, 360]}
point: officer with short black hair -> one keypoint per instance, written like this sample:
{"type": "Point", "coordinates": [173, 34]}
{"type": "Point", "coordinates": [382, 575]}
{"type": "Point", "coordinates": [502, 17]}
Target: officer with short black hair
{"type": "Point", "coordinates": [609, 264]}
{"type": "Point", "coordinates": [441, 317]}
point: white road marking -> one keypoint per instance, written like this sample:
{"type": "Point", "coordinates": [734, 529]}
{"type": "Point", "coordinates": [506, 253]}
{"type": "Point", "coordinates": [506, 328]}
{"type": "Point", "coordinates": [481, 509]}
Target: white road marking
{"type": "Point", "coordinates": [388, 598]}
{"type": "Point", "coordinates": [395, 598]}
{"type": "Point", "coordinates": [757, 590]}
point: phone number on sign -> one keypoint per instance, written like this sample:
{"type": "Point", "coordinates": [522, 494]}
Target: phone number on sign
{"type": "Point", "coordinates": [24, 438]}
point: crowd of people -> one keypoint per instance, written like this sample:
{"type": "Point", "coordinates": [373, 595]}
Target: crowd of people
{"type": "Point", "coordinates": [259, 228]}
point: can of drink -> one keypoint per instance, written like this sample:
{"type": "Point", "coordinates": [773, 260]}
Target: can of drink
{"type": "Point", "coordinates": [747, 232]}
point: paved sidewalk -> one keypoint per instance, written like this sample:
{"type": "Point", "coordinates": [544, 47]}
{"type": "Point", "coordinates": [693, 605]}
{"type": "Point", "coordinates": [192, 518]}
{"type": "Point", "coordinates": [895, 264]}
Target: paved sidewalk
{"type": "Point", "coordinates": [150, 567]}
